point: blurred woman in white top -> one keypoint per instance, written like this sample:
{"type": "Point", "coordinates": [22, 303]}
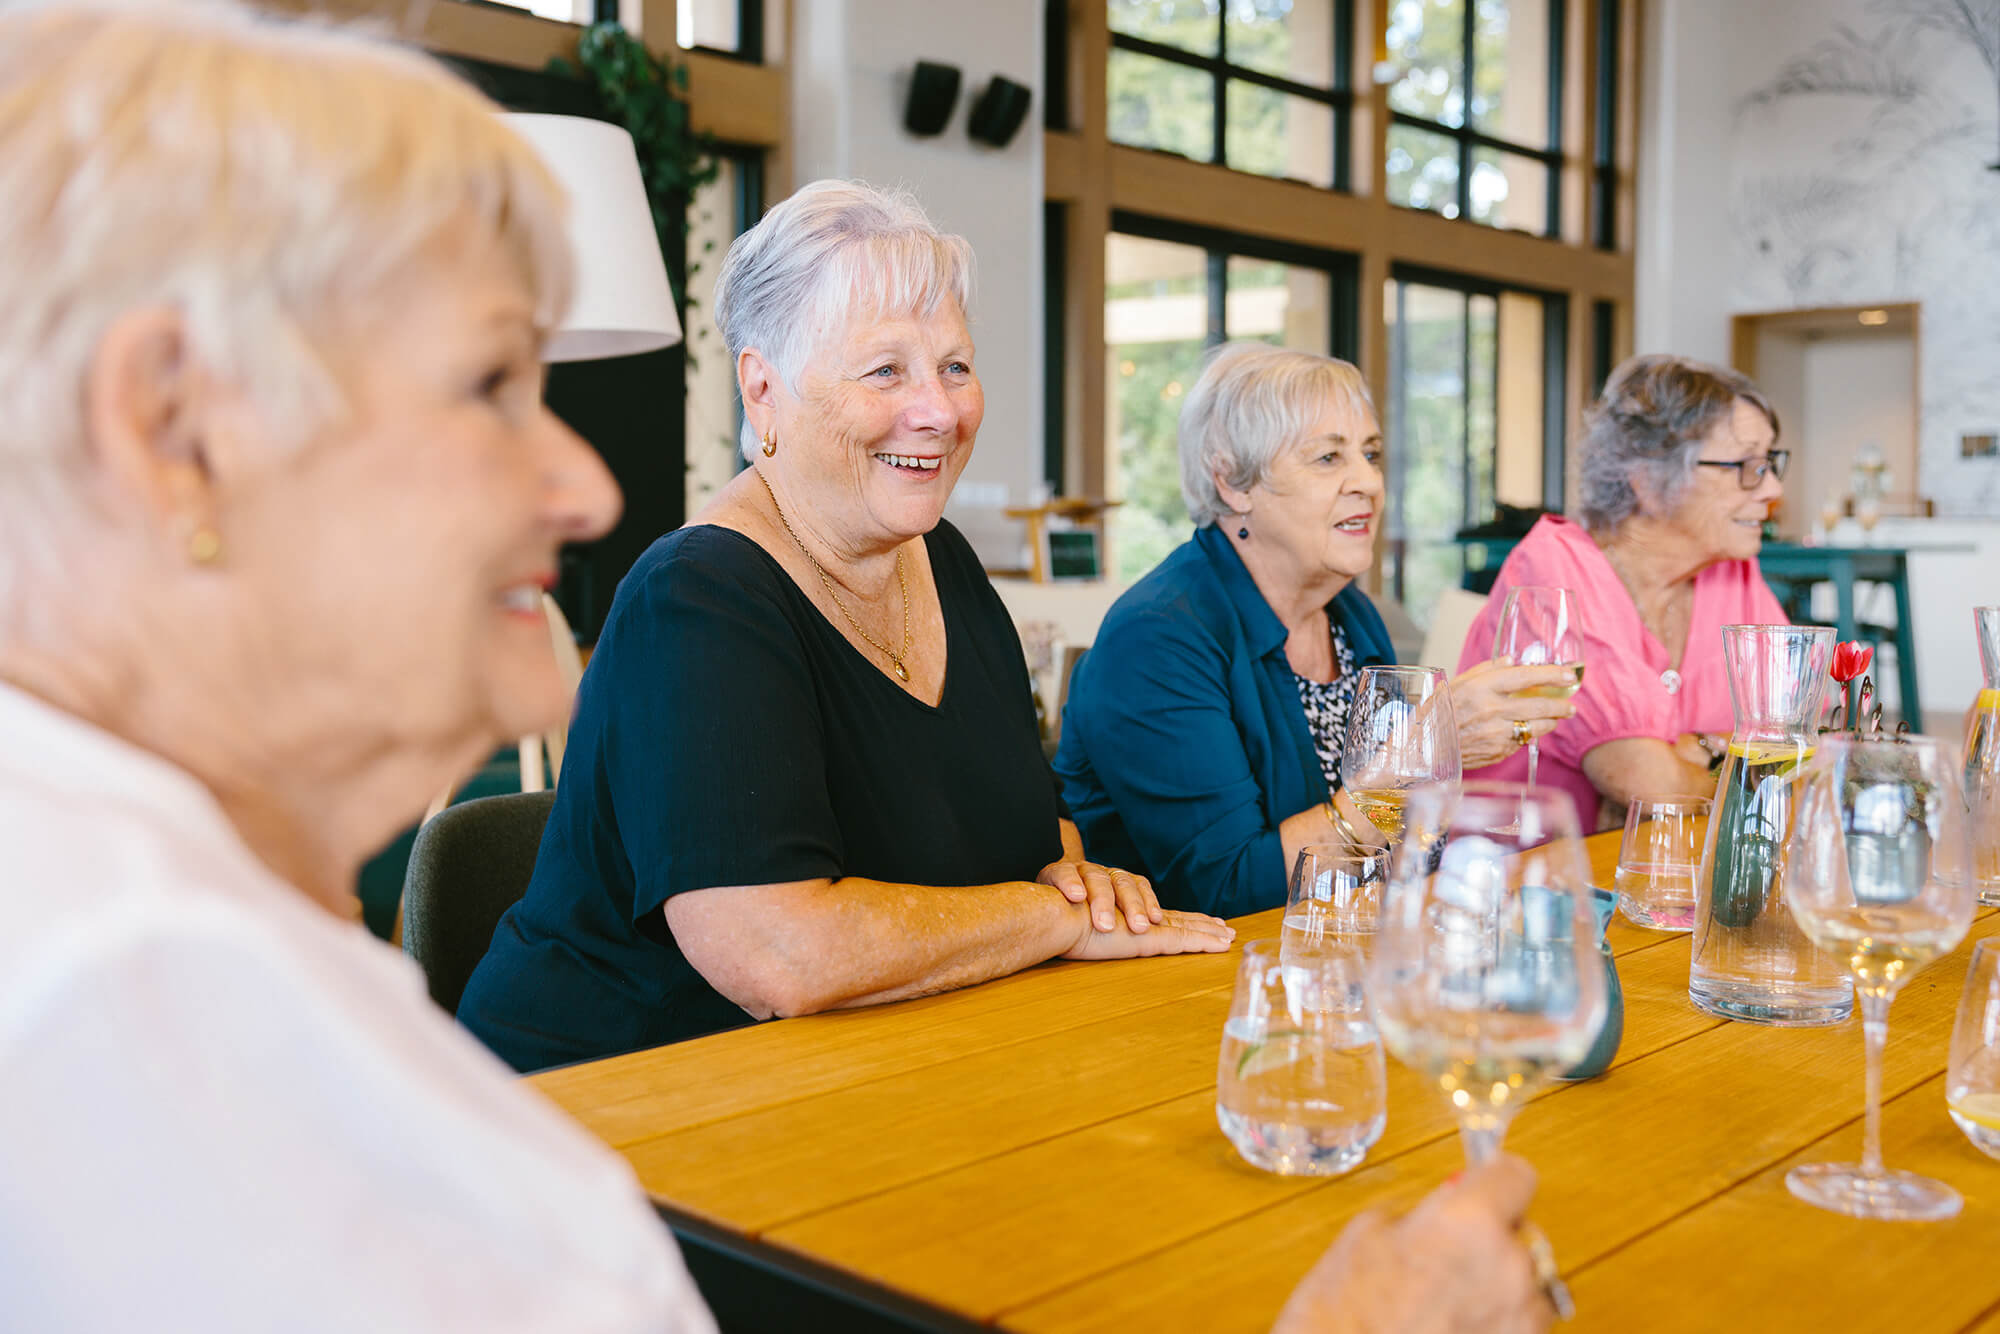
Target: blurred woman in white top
{"type": "Point", "coordinates": [278, 499]}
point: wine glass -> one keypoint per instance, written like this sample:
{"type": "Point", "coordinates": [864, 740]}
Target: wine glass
{"type": "Point", "coordinates": [1972, 1081]}
{"type": "Point", "coordinates": [1335, 899]}
{"type": "Point", "coordinates": [1487, 979]}
{"type": "Point", "coordinates": [1401, 732]}
{"type": "Point", "coordinates": [1538, 628]}
{"type": "Point", "coordinates": [1878, 872]}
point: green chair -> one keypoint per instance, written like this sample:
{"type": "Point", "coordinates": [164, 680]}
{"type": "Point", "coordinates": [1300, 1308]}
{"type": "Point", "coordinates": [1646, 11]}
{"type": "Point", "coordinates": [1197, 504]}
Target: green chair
{"type": "Point", "coordinates": [471, 862]}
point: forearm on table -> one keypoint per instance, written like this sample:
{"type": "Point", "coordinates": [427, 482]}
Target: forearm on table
{"type": "Point", "coordinates": [1635, 767]}
{"type": "Point", "coordinates": [792, 949]}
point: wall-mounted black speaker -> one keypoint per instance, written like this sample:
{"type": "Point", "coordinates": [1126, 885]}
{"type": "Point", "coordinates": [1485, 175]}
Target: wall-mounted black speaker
{"type": "Point", "coordinates": [999, 112]}
{"type": "Point", "coordinates": [933, 93]}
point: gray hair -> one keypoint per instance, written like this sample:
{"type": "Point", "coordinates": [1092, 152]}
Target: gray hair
{"type": "Point", "coordinates": [834, 254]}
{"type": "Point", "coordinates": [267, 179]}
{"type": "Point", "coordinates": [1251, 401]}
{"type": "Point", "coordinates": [1648, 426]}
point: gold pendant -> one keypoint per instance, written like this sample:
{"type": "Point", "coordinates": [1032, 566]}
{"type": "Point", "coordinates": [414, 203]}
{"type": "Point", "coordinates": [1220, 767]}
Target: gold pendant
{"type": "Point", "coordinates": [902, 672]}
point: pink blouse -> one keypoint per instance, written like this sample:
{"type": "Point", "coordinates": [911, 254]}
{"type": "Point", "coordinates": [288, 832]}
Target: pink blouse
{"type": "Point", "coordinates": [1627, 689]}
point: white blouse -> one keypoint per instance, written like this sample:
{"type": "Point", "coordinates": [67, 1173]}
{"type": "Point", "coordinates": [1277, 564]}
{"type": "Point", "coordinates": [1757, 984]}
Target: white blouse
{"type": "Point", "coordinates": [223, 1109]}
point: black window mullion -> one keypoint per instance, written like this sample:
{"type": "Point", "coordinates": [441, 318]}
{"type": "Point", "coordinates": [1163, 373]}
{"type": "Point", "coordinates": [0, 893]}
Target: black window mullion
{"type": "Point", "coordinates": [1555, 397]}
{"type": "Point", "coordinates": [1220, 110]}
{"type": "Point", "coordinates": [1557, 23]}
{"type": "Point", "coordinates": [1466, 124]}
{"type": "Point", "coordinates": [1218, 297]}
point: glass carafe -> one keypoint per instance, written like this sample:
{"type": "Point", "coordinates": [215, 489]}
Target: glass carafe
{"type": "Point", "coordinates": [1750, 960]}
{"type": "Point", "coordinates": [1982, 760]}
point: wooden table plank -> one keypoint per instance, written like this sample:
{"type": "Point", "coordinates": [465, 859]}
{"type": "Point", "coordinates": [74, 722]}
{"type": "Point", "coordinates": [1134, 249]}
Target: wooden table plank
{"type": "Point", "coordinates": [1007, 1207]}
{"type": "Point", "coordinates": [1829, 1270]}
{"type": "Point", "coordinates": [1618, 1157]}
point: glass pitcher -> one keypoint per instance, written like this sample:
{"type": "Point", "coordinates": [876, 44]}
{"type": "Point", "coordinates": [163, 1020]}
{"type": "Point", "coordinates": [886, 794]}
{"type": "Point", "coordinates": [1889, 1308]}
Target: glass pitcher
{"type": "Point", "coordinates": [1982, 760]}
{"type": "Point", "coordinates": [1750, 960]}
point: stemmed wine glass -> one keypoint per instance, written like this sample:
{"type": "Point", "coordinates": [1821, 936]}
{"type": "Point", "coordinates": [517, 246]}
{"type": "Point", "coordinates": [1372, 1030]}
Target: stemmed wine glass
{"type": "Point", "coordinates": [1401, 732]}
{"type": "Point", "coordinates": [1486, 978]}
{"type": "Point", "coordinates": [1538, 628]}
{"type": "Point", "coordinates": [1878, 872]}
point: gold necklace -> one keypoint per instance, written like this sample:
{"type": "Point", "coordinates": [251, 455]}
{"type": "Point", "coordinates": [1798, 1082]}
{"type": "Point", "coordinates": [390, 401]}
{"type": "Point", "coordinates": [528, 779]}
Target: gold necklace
{"type": "Point", "coordinates": [895, 658]}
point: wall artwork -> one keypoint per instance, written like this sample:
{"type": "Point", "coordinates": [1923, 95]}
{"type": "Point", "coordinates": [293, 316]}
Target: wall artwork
{"type": "Point", "coordinates": [1864, 171]}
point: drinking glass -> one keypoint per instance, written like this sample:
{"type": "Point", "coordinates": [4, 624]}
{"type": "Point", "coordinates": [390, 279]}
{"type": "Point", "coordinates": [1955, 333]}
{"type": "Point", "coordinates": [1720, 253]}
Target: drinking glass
{"type": "Point", "coordinates": [1300, 1084]}
{"type": "Point", "coordinates": [1879, 875]}
{"type": "Point", "coordinates": [1538, 628]}
{"type": "Point", "coordinates": [1401, 732]}
{"type": "Point", "coordinates": [1335, 899]}
{"type": "Point", "coordinates": [1658, 859]}
{"type": "Point", "coordinates": [1487, 979]}
{"type": "Point", "coordinates": [1972, 1081]}
{"type": "Point", "coordinates": [1982, 759]}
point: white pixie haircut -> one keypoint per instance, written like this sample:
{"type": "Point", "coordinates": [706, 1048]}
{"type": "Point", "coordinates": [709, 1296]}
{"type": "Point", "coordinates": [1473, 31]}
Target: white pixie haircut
{"type": "Point", "coordinates": [1252, 401]}
{"type": "Point", "coordinates": [834, 255]}
{"type": "Point", "coordinates": [270, 180]}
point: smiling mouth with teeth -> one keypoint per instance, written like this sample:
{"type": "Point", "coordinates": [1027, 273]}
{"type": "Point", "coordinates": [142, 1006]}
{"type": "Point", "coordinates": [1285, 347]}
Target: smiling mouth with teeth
{"type": "Point", "coordinates": [910, 463]}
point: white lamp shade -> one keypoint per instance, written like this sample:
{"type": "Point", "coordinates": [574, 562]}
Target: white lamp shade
{"type": "Point", "coordinates": [623, 303]}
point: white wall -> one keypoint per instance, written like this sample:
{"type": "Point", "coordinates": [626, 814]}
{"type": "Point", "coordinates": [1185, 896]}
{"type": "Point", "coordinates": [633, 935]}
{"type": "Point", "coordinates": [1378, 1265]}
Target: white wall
{"type": "Point", "coordinates": [1800, 153]}
{"type": "Point", "coordinates": [851, 69]}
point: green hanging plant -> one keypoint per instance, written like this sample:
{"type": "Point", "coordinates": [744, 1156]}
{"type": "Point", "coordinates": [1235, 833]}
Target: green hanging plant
{"type": "Point", "coordinates": [647, 97]}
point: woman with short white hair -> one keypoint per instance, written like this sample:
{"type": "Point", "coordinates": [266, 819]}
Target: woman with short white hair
{"type": "Point", "coordinates": [278, 496]}
{"type": "Point", "coordinates": [1201, 743]}
{"type": "Point", "coordinates": [772, 802]}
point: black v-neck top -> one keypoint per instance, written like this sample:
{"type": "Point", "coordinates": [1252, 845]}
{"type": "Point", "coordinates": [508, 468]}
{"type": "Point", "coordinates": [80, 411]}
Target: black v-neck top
{"type": "Point", "coordinates": [727, 734]}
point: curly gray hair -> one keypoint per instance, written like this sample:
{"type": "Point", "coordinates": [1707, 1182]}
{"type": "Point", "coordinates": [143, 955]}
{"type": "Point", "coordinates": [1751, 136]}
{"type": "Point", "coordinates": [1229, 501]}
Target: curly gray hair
{"type": "Point", "coordinates": [1251, 401]}
{"type": "Point", "coordinates": [1648, 426]}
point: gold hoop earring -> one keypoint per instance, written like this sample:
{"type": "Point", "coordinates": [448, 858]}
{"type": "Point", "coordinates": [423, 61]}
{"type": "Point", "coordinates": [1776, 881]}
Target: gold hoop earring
{"type": "Point", "coordinates": [770, 444]}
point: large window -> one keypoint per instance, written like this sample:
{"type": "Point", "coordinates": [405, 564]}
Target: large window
{"type": "Point", "coordinates": [1257, 85]}
{"type": "Point", "coordinates": [723, 210]}
{"type": "Point", "coordinates": [1170, 294]}
{"type": "Point", "coordinates": [1474, 420]}
{"type": "Point", "coordinates": [1476, 110]}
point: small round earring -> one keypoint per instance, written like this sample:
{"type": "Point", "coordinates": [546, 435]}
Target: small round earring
{"type": "Point", "coordinates": [770, 444]}
{"type": "Point", "coordinates": [204, 545]}
{"type": "Point", "coordinates": [1244, 532]}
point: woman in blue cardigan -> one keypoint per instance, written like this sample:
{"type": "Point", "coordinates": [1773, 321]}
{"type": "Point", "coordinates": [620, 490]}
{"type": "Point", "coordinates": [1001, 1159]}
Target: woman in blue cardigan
{"type": "Point", "coordinates": [1201, 741]}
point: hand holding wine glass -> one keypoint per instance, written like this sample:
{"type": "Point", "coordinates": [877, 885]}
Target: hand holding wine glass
{"type": "Point", "coordinates": [1878, 874]}
{"type": "Point", "coordinates": [1538, 627]}
{"type": "Point", "coordinates": [1401, 732]}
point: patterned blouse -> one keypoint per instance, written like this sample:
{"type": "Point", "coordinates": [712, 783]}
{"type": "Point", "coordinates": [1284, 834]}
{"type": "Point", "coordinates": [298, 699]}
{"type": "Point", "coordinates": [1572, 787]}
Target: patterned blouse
{"type": "Point", "coordinates": [1327, 704]}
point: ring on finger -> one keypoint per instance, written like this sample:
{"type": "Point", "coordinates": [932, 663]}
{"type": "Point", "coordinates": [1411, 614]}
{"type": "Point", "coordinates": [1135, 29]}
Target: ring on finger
{"type": "Point", "coordinates": [1522, 733]}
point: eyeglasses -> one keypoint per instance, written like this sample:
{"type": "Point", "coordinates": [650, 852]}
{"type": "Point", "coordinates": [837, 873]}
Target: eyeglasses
{"type": "Point", "coordinates": [1750, 472]}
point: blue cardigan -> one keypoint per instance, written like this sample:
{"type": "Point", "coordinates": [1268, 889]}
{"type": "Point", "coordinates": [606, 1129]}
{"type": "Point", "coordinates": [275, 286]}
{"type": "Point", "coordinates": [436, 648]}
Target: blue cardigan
{"type": "Point", "coordinates": [1184, 744]}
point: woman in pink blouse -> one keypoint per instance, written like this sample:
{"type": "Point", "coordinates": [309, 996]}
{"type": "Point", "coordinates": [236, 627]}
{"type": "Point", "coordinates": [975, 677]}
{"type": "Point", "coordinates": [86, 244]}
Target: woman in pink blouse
{"type": "Point", "coordinates": [1677, 472]}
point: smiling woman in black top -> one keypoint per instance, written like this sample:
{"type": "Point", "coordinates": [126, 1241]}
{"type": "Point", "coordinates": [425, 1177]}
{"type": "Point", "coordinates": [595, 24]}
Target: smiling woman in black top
{"type": "Point", "coordinates": [804, 772]}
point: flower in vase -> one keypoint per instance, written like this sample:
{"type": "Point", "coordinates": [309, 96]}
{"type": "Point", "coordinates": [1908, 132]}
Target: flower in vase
{"type": "Point", "coordinates": [1850, 660]}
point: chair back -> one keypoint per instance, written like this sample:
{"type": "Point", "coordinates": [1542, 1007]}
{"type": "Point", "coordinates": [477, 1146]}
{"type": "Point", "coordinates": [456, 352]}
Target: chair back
{"type": "Point", "coordinates": [1453, 616]}
{"type": "Point", "coordinates": [471, 863]}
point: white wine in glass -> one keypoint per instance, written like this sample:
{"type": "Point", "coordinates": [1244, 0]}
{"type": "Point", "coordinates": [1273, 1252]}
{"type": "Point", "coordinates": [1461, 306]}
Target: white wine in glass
{"type": "Point", "coordinates": [1486, 978]}
{"type": "Point", "coordinates": [1538, 628]}
{"type": "Point", "coordinates": [1878, 872]}
{"type": "Point", "coordinates": [1401, 731]}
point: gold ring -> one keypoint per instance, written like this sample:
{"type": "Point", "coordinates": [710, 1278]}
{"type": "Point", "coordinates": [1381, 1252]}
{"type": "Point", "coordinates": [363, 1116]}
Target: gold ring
{"type": "Point", "coordinates": [1522, 736]}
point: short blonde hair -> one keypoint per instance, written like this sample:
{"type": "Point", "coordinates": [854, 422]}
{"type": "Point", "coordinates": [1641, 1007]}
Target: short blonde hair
{"type": "Point", "coordinates": [268, 179]}
{"type": "Point", "coordinates": [1251, 401]}
{"type": "Point", "coordinates": [835, 253]}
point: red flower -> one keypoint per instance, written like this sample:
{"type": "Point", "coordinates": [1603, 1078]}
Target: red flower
{"type": "Point", "coordinates": [1851, 659]}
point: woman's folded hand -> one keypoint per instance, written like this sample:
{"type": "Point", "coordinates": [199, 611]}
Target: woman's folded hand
{"type": "Point", "coordinates": [1122, 919]}
{"type": "Point", "coordinates": [1491, 697]}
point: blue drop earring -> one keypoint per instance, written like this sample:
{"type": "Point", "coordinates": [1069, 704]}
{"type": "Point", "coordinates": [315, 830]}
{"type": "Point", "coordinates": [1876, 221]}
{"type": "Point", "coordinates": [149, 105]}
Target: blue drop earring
{"type": "Point", "coordinates": [1244, 532]}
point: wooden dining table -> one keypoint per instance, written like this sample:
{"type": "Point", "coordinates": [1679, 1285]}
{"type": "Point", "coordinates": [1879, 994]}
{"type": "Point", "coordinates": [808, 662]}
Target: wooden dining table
{"type": "Point", "coordinates": [1040, 1153]}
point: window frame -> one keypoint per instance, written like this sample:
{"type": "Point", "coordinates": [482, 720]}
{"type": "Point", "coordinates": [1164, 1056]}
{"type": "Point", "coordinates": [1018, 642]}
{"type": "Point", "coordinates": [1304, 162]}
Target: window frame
{"type": "Point", "coordinates": [1555, 397]}
{"type": "Point", "coordinates": [1468, 138]}
{"type": "Point", "coordinates": [1338, 97]}
{"type": "Point", "coordinates": [749, 47]}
